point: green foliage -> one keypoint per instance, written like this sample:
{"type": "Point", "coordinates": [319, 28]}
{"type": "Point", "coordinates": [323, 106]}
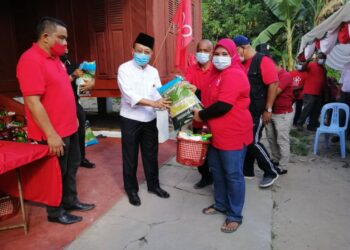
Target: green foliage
{"type": "Point", "coordinates": [300, 143]}
{"type": "Point", "coordinates": [267, 34]}
{"type": "Point", "coordinates": [227, 18]}
{"type": "Point", "coordinates": [333, 73]}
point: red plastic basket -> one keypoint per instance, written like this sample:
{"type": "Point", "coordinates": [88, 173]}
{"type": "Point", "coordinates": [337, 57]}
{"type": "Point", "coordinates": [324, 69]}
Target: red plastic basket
{"type": "Point", "coordinates": [191, 153]}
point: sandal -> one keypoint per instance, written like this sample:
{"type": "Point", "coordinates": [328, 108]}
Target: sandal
{"type": "Point", "coordinates": [212, 210]}
{"type": "Point", "coordinates": [226, 228]}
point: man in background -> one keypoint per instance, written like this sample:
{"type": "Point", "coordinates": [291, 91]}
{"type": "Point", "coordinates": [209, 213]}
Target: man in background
{"type": "Point", "coordinates": [196, 75]}
{"type": "Point", "coordinates": [74, 72]}
{"type": "Point", "coordinates": [263, 78]}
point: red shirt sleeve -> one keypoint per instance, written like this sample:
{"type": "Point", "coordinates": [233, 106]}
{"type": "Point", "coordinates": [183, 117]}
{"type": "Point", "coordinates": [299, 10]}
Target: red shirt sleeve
{"type": "Point", "coordinates": [268, 71]}
{"type": "Point", "coordinates": [30, 78]}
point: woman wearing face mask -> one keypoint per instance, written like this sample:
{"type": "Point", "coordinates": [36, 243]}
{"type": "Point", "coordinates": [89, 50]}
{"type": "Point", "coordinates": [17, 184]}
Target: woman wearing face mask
{"type": "Point", "coordinates": [226, 101]}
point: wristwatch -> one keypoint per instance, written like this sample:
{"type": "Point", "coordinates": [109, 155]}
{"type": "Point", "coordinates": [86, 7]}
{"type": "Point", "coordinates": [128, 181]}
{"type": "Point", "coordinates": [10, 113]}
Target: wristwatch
{"type": "Point", "coordinates": [268, 110]}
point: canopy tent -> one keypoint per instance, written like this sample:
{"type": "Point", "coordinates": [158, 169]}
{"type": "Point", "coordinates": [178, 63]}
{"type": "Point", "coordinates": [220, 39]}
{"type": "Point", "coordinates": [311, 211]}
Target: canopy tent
{"type": "Point", "coordinates": [326, 38]}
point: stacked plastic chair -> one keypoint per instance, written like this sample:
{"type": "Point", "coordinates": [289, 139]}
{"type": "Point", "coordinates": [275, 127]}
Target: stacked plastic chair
{"type": "Point", "coordinates": [333, 109]}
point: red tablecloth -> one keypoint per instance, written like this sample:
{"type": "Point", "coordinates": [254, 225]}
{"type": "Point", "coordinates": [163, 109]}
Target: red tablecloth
{"type": "Point", "coordinates": [40, 172]}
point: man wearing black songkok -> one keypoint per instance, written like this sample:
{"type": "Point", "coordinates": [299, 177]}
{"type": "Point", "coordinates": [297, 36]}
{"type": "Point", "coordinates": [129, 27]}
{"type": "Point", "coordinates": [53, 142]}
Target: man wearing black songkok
{"type": "Point", "coordinates": [138, 82]}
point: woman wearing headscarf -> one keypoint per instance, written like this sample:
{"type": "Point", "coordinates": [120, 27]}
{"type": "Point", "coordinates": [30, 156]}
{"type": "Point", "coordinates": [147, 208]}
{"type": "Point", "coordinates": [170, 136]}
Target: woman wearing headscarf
{"type": "Point", "coordinates": [226, 111]}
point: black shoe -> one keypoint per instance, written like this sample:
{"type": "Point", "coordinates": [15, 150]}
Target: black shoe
{"type": "Point", "coordinates": [159, 192]}
{"type": "Point", "coordinates": [311, 128]}
{"type": "Point", "coordinates": [65, 219]}
{"type": "Point", "coordinates": [82, 207]}
{"type": "Point", "coordinates": [134, 199]}
{"type": "Point", "coordinates": [203, 183]}
{"type": "Point", "coordinates": [279, 170]}
{"type": "Point", "coordinates": [85, 163]}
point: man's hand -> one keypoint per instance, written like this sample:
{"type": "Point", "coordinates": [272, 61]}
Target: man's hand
{"type": "Point", "coordinates": [56, 145]}
{"type": "Point", "coordinates": [78, 73]}
{"type": "Point", "coordinates": [266, 117]}
{"type": "Point", "coordinates": [162, 103]}
{"type": "Point", "coordinates": [87, 85]}
{"type": "Point", "coordinates": [196, 116]}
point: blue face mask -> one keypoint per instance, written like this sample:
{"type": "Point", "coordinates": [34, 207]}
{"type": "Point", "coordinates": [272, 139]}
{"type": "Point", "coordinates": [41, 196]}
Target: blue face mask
{"type": "Point", "coordinates": [141, 59]}
{"type": "Point", "coordinates": [202, 58]}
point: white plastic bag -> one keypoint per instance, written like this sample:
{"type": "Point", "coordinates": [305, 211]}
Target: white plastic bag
{"type": "Point", "coordinates": [163, 125]}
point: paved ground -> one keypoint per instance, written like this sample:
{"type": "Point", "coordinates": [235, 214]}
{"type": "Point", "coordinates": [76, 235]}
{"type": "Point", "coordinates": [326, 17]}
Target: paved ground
{"type": "Point", "coordinates": [309, 208]}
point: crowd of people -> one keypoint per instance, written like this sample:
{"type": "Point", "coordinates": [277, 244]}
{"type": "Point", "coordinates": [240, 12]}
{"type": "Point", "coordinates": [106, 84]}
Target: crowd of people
{"type": "Point", "coordinates": [242, 92]}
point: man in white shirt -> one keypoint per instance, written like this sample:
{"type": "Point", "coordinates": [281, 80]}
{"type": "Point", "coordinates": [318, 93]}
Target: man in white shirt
{"type": "Point", "coordinates": [138, 82]}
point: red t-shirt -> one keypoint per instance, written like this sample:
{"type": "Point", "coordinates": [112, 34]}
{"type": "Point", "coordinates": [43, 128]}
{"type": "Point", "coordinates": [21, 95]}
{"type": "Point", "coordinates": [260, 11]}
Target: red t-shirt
{"type": "Point", "coordinates": [40, 74]}
{"type": "Point", "coordinates": [299, 78]}
{"type": "Point", "coordinates": [267, 67]}
{"type": "Point", "coordinates": [196, 76]}
{"type": "Point", "coordinates": [283, 102]}
{"type": "Point", "coordinates": [315, 79]}
{"type": "Point", "coordinates": [234, 129]}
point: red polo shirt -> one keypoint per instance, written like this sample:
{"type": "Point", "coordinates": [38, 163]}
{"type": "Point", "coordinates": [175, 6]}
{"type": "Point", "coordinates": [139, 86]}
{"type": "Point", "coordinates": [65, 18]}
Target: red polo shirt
{"type": "Point", "coordinates": [283, 102]}
{"type": "Point", "coordinates": [234, 129]}
{"type": "Point", "coordinates": [299, 78]}
{"type": "Point", "coordinates": [40, 74]}
{"type": "Point", "coordinates": [315, 79]}
{"type": "Point", "coordinates": [196, 76]}
{"type": "Point", "coordinates": [267, 68]}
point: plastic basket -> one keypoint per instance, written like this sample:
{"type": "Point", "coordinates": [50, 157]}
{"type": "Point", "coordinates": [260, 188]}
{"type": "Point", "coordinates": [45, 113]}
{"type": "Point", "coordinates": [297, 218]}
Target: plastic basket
{"type": "Point", "coordinates": [9, 207]}
{"type": "Point", "coordinates": [191, 153]}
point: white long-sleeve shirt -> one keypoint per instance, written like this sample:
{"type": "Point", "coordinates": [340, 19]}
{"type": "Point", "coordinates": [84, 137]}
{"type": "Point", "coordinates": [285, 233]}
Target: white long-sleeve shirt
{"type": "Point", "coordinates": [136, 83]}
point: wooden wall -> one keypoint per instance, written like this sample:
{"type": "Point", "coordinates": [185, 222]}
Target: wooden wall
{"type": "Point", "coordinates": [101, 30]}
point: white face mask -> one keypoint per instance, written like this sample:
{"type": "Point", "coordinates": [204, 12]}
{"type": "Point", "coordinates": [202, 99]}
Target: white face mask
{"type": "Point", "coordinates": [221, 62]}
{"type": "Point", "coordinates": [299, 67]}
{"type": "Point", "coordinates": [202, 58]}
{"type": "Point", "coordinates": [321, 61]}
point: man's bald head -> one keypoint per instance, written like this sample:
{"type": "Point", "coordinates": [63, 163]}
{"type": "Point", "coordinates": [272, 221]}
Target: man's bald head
{"type": "Point", "coordinates": [205, 45]}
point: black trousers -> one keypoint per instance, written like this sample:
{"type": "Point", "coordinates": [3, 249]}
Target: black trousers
{"type": "Point", "coordinates": [81, 130]}
{"type": "Point", "coordinates": [344, 98]}
{"type": "Point", "coordinates": [204, 169]}
{"type": "Point", "coordinates": [312, 108]}
{"type": "Point", "coordinates": [257, 151]}
{"type": "Point", "coordinates": [69, 164]}
{"type": "Point", "coordinates": [298, 108]}
{"type": "Point", "coordinates": [137, 135]}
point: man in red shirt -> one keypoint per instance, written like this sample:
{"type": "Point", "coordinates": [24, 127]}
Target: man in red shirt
{"type": "Point", "coordinates": [312, 92]}
{"type": "Point", "coordinates": [196, 75]}
{"type": "Point", "coordinates": [299, 76]}
{"type": "Point", "coordinates": [277, 131]}
{"type": "Point", "coordinates": [263, 79]}
{"type": "Point", "coordinates": [51, 112]}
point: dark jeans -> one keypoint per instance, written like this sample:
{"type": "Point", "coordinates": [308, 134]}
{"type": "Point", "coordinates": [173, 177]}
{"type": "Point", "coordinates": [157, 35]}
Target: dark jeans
{"type": "Point", "coordinates": [344, 98]}
{"type": "Point", "coordinates": [298, 108]}
{"type": "Point", "coordinates": [229, 184]}
{"type": "Point", "coordinates": [312, 108]}
{"type": "Point", "coordinates": [137, 135]}
{"type": "Point", "coordinates": [204, 169]}
{"type": "Point", "coordinates": [256, 150]}
{"type": "Point", "coordinates": [69, 164]}
{"type": "Point", "coordinates": [81, 130]}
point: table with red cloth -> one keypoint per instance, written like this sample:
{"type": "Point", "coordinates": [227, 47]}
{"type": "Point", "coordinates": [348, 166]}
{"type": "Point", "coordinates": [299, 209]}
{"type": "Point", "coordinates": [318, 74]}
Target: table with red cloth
{"type": "Point", "coordinates": [40, 172]}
